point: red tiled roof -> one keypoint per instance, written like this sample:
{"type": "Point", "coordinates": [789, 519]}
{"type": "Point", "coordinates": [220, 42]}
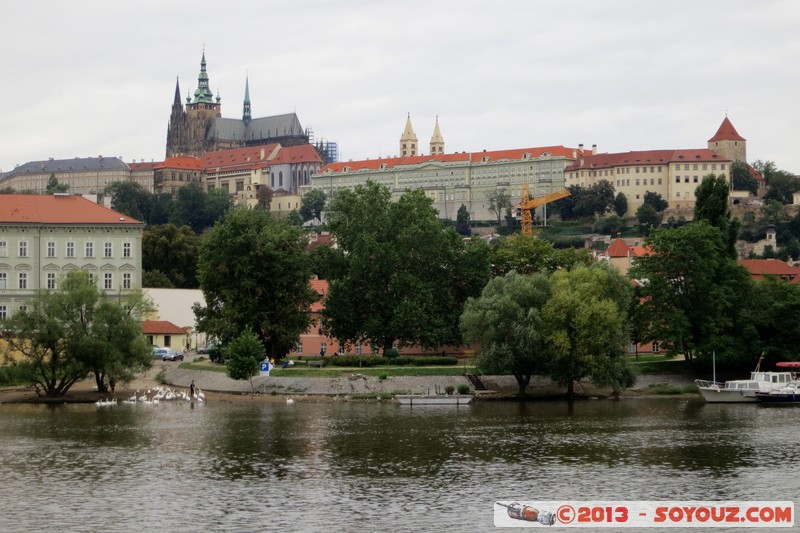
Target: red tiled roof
{"type": "Point", "coordinates": [726, 132]}
{"type": "Point", "coordinates": [466, 157]}
{"type": "Point", "coordinates": [320, 286]}
{"type": "Point", "coordinates": [184, 162]}
{"type": "Point", "coordinates": [304, 153]}
{"type": "Point", "coordinates": [321, 239]}
{"type": "Point", "coordinates": [161, 327]}
{"type": "Point", "coordinates": [57, 209]}
{"type": "Point", "coordinates": [618, 248]}
{"type": "Point", "coordinates": [646, 157]}
{"type": "Point", "coordinates": [144, 166]}
{"type": "Point", "coordinates": [250, 157]}
{"type": "Point", "coordinates": [759, 268]}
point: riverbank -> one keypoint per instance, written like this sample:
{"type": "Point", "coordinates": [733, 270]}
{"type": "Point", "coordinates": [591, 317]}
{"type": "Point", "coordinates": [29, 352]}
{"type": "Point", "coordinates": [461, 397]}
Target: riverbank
{"type": "Point", "coordinates": [218, 386]}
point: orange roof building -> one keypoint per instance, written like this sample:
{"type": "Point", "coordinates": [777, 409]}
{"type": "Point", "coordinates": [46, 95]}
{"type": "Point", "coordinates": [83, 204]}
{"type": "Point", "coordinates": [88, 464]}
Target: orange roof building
{"type": "Point", "coordinates": [763, 268]}
{"type": "Point", "coordinates": [44, 236]}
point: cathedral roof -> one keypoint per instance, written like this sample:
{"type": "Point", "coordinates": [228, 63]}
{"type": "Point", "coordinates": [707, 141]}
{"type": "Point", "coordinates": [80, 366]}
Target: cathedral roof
{"type": "Point", "coordinates": [726, 132]}
{"type": "Point", "coordinates": [264, 128]}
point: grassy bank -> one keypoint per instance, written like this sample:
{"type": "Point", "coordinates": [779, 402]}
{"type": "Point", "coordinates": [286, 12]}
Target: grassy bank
{"type": "Point", "coordinates": [337, 371]}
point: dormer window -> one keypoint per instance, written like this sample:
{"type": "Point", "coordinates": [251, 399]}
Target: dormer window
{"type": "Point", "coordinates": [383, 166]}
{"type": "Point", "coordinates": [345, 169]}
{"type": "Point", "coordinates": [485, 158]}
{"type": "Point", "coordinates": [526, 155]}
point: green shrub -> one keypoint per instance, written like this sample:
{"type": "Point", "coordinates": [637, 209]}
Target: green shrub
{"type": "Point", "coordinates": [382, 376]}
{"type": "Point", "coordinates": [463, 388]}
{"type": "Point", "coordinates": [11, 375]}
{"type": "Point", "coordinates": [377, 360]}
{"type": "Point", "coordinates": [161, 378]}
{"type": "Point", "coordinates": [391, 353]}
{"type": "Point", "coordinates": [449, 389]}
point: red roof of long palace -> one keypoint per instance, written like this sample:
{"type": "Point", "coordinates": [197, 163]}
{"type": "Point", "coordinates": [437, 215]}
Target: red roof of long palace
{"type": "Point", "coordinates": [161, 327]}
{"type": "Point", "coordinates": [646, 157]}
{"type": "Point", "coordinates": [465, 157]}
{"type": "Point", "coordinates": [144, 166]}
{"type": "Point", "coordinates": [304, 153]}
{"type": "Point", "coordinates": [726, 132]}
{"type": "Point", "coordinates": [240, 158]}
{"type": "Point", "coordinates": [759, 268]}
{"type": "Point", "coordinates": [57, 209]}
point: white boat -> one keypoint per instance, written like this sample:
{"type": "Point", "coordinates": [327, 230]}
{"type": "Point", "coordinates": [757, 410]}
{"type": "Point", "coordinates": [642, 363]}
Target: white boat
{"type": "Point", "coordinates": [788, 394]}
{"type": "Point", "coordinates": [742, 390]}
{"type": "Point", "coordinates": [434, 399]}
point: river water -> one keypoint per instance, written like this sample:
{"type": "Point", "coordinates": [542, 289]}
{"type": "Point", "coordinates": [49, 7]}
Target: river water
{"type": "Point", "coordinates": [350, 466]}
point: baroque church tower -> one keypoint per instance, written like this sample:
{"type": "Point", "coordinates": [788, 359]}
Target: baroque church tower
{"type": "Point", "coordinates": [408, 140]}
{"type": "Point", "coordinates": [728, 143]}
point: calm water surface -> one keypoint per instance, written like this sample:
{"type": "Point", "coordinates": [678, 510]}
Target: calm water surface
{"type": "Point", "coordinates": [338, 466]}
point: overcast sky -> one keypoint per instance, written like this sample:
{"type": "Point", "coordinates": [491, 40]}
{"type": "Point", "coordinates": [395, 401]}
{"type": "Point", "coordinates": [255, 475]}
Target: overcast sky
{"type": "Point", "coordinates": [86, 78]}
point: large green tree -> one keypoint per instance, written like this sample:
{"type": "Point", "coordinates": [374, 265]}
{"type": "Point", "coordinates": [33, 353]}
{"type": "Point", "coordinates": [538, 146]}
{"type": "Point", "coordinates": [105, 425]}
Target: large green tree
{"type": "Point", "coordinates": [586, 328]}
{"type": "Point", "coordinates": [312, 204]}
{"type": "Point", "coordinates": [172, 251]}
{"type": "Point", "coordinates": [243, 356]}
{"type": "Point", "coordinates": [527, 256]}
{"type": "Point", "coordinates": [130, 199]}
{"type": "Point", "coordinates": [691, 292]}
{"type": "Point", "coordinates": [505, 322]}
{"type": "Point", "coordinates": [254, 273]}
{"type": "Point", "coordinates": [407, 276]}
{"type": "Point", "coordinates": [713, 206]}
{"type": "Point", "coordinates": [741, 179]}
{"type": "Point", "coordinates": [64, 335]}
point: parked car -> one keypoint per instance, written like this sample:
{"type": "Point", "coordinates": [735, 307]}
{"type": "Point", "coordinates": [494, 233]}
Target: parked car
{"type": "Point", "coordinates": [159, 352]}
{"type": "Point", "coordinates": [208, 348]}
{"type": "Point", "coordinates": [172, 355]}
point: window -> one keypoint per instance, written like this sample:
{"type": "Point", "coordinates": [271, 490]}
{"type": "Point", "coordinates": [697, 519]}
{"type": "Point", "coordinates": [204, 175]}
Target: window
{"type": "Point", "coordinates": [695, 179]}
{"type": "Point", "coordinates": [23, 308]}
{"type": "Point", "coordinates": [107, 280]}
{"type": "Point", "coordinates": [51, 249]}
{"type": "Point", "coordinates": [51, 280]}
{"type": "Point", "coordinates": [126, 249]}
{"type": "Point", "coordinates": [677, 179]}
{"type": "Point", "coordinates": [23, 280]}
{"type": "Point", "coordinates": [659, 181]}
{"type": "Point", "coordinates": [107, 248]}
{"type": "Point", "coordinates": [694, 167]}
{"type": "Point", "coordinates": [299, 347]}
{"type": "Point", "coordinates": [656, 347]}
{"type": "Point", "coordinates": [2, 280]}
{"type": "Point", "coordinates": [652, 181]}
{"type": "Point", "coordinates": [686, 179]}
{"type": "Point", "coordinates": [3, 312]}
{"type": "Point", "coordinates": [358, 348]}
{"type": "Point", "coordinates": [686, 167]}
{"type": "Point", "coordinates": [89, 249]}
{"type": "Point", "coordinates": [126, 280]}
{"type": "Point", "coordinates": [3, 249]}
{"type": "Point", "coordinates": [280, 178]}
{"type": "Point", "coordinates": [70, 249]}
{"type": "Point", "coordinates": [23, 248]}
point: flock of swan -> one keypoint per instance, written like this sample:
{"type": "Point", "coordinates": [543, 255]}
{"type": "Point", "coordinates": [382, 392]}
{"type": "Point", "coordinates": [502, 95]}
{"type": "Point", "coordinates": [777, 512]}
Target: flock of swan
{"type": "Point", "coordinates": [154, 397]}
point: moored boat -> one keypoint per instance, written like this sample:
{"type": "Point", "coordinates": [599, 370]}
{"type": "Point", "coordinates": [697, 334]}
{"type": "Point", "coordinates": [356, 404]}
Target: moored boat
{"type": "Point", "coordinates": [434, 399]}
{"type": "Point", "coordinates": [787, 394]}
{"type": "Point", "coordinates": [742, 390]}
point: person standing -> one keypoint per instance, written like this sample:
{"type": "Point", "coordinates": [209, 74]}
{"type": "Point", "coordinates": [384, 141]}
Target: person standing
{"type": "Point", "coordinates": [191, 390]}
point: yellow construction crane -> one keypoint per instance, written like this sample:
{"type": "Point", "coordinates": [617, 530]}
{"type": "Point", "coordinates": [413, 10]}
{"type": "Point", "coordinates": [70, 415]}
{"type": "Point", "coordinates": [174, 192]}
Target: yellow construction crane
{"type": "Point", "coordinates": [529, 203]}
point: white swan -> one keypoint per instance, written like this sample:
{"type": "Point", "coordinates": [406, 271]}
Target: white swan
{"type": "Point", "coordinates": [289, 401]}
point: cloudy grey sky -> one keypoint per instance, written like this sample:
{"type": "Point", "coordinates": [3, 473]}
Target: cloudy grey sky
{"type": "Point", "coordinates": [88, 77]}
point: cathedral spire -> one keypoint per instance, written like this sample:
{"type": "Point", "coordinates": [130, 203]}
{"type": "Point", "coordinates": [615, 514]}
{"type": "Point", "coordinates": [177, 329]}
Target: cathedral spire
{"type": "Point", "coordinates": [177, 100]}
{"type": "Point", "coordinates": [246, 111]}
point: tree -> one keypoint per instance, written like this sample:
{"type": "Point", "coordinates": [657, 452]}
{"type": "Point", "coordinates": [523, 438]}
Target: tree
{"type": "Point", "coordinates": [264, 196]}
{"type": "Point", "coordinates": [527, 256]}
{"type": "Point", "coordinates": [242, 357]}
{"type": "Point", "coordinates": [64, 335]}
{"type": "Point", "coordinates": [53, 186]}
{"type": "Point", "coordinates": [327, 262]}
{"type": "Point", "coordinates": [781, 186]}
{"type": "Point", "coordinates": [312, 204]}
{"type": "Point", "coordinates": [587, 201]}
{"type": "Point", "coordinates": [648, 218]}
{"type": "Point", "coordinates": [654, 199]}
{"type": "Point", "coordinates": [254, 273]}
{"type": "Point", "coordinates": [691, 291]}
{"type": "Point", "coordinates": [712, 206]}
{"type": "Point", "coordinates": [741, 178]}
{"type": "Point", "coordinates": [294, 218]}
{"type": "Point", "coordinates": [620, 204]}
{"type": "Point", "coordinates": [407, 275]}
{"type": "Point", "coordinates": [505, 321]}
{"type": "Point", "coordinates": [499, 200]}
{"type": "Point", "coordinates": [462, 222]}
{"type": "Point", "coordinates": [130, 199]}
{"type": "Point", "coordinates": [585, 325]}
{"type": "Point", "coordinates": [156, 279]}
{"type": "Point", "coordinates": [173, 252]}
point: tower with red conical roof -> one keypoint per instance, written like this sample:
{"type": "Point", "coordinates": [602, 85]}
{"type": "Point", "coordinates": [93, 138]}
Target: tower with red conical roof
{"type": "Point", "coordinates": [728, 143]}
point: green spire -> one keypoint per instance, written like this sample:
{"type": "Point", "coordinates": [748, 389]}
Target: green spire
{"type": "Point", "coordinates": [203, 94]}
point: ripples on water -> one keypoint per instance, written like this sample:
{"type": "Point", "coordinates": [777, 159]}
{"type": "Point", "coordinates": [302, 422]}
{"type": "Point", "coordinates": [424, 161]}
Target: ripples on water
{"type": "Point", "coordinates": [374, 466]}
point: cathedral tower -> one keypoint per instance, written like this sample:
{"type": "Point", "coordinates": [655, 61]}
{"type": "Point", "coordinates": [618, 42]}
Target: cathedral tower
{"type": "Point", "coordinates": [176, 131]}
{"type": "Point", "coordinates": [728, 143]}
{"type": "Point", "coordinates": [246, 116]}
{"type": "Point", "coordinates": [437, 141]}
{"type": "Point", "coordinates": [200, 113]}
{"type": "Point", "coordinates": [408, 141]}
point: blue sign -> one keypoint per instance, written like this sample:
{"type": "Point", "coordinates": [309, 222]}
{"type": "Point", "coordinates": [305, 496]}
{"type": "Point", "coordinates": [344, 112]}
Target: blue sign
{"type": "Point", "coordinates": [265, 368]}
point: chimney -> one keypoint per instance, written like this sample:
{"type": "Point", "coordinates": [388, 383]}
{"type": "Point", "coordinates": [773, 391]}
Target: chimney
{"type": "Point", "coordinates": [594, 149]}
{"type": "Point", "coordinates": [580, 148]}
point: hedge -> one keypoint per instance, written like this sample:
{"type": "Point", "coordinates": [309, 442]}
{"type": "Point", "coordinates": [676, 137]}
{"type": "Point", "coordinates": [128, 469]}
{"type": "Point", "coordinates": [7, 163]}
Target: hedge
{"type": "Point", "coordinates": [377, 360]}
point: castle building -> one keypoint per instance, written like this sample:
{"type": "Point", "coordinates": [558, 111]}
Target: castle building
{"type": "Point", "coordinates": [673, 174]}
{"type": "Point", "coordinates": [199, 127]}
{"type": "Point", "coordinates": [83, 175]}
{"type": "Point", "coordinates": [44, 236]}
